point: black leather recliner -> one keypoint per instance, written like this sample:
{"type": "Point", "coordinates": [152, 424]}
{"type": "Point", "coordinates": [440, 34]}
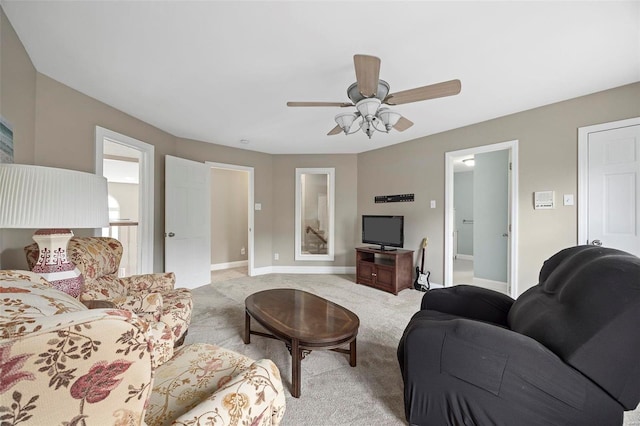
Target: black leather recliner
{"type": "Point", "coordinates": [566, 352]}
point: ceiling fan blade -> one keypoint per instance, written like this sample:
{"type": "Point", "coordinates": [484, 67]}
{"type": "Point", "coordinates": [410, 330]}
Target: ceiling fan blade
{"type": "Point", "coordinates": [438, 90]}
{"type": "Point", "coordinates": [367, 74]}
{"type": "Point", "coordinates": [335, 131]}
{"type": "Point", "coordinates": [403, 124]}
{"type": "Point", "coordinates": [319, 104]}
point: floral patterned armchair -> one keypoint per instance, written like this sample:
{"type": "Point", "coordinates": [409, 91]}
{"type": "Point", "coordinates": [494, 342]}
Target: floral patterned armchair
{"type": "Point", "coordinates": [150, 296]}
{"type": "Point", "coordinates": [61, 363]}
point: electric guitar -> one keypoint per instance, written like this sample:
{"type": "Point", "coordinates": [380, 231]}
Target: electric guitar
{"type": "Point", "coordinates": [422, 279]}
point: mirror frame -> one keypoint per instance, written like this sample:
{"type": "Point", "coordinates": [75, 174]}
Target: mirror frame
{"type": "Point", "coordinates": [330, 172]}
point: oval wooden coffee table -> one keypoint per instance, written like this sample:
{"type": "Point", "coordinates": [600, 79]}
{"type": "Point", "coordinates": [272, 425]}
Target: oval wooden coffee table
{"type": "Point", "coordinates": [304, 322]}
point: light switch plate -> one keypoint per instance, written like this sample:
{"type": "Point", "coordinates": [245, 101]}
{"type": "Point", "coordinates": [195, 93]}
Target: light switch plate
{"type": "Point", "coordinates": [568, 199]}
{"type": "Point", "coordinates": [433, 204]}
{"type": "Point", "coordinates": [258, 206]}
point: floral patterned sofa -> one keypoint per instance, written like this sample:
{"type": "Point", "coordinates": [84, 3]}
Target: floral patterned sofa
{"type": "Point", "coordinates": [150, 296]}
{"type": "Point", "coordinates": [61, 363]}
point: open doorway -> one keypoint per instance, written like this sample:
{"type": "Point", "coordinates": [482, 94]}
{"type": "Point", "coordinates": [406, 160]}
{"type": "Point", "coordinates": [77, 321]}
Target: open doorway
{"type": "Point", "coordinates": [128, 166]}
{"type": "Point", "coordinates": [231, 221]}
{"type": "Point", "coordinates": [121, 167]}
{"type": "Point", "coordinates": [480, 217]}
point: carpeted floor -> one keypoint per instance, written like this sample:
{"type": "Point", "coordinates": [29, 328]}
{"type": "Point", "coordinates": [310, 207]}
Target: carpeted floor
{"type": "Point", "coordinates": [333, 393]}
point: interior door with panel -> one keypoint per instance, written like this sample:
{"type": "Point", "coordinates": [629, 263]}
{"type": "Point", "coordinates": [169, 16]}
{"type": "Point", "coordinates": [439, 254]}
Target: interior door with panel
{"type": "Point", "coordinates": [187, 242]}
{"type": "Point", "coordinates": [491, 218]}
{"type": "Point", "coordinates": [613, 188]}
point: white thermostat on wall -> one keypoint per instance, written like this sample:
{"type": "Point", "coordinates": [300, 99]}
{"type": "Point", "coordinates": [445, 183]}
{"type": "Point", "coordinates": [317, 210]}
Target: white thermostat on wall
{"type": "Point", "coordinates": [543, 200]}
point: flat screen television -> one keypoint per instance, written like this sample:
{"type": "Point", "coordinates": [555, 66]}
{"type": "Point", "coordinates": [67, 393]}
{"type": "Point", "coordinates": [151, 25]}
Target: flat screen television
{"type": "Point", "coordinates": [385, 231]}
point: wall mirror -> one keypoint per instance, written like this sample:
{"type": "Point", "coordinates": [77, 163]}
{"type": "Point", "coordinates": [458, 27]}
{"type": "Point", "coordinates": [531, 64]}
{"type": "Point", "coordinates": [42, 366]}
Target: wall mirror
{"type": "Point", "coordinates": [314, 213]}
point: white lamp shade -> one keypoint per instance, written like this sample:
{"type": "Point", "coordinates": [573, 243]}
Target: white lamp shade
{"type": "Point", "coordinates": [389, 117]}
{"type": "Point", "coordinates": [37, 197]}
{"type": "Point", "coordinates": [345, 120]}
{"type": "Point", "coordinates": [368, 107]}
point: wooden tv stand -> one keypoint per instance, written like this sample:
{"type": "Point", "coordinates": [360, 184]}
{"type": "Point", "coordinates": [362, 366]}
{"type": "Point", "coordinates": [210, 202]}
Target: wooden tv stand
{"type": "Point", "coordinates": [388, 270]}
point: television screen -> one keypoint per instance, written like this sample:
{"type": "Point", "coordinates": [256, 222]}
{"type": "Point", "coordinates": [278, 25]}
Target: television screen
{"type": "Point", "coordinates": [383, 230]}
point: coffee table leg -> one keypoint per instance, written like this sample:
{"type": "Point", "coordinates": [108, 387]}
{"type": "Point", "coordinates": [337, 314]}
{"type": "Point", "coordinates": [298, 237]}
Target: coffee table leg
{"type": "Point", "coordinates": [352, 353]}
{"type": "Point", "coordinates": [295, 368]}
{"type": "Point", "coordinates": [247, 328]}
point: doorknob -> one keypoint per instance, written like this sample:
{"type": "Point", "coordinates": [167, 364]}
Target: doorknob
{"type": "Point", "coordinates": [171, 234]}
{"type": "Point", "coordinates": [596, 242]}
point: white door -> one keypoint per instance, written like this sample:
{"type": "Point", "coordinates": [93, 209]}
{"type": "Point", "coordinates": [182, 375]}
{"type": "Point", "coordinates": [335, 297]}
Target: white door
{"type": "Point", "coordinates": [187, 241]}
{"type": "Point", "coordinates": [613, 188]}
{"type": "Point", "coordinates": [491, 218]}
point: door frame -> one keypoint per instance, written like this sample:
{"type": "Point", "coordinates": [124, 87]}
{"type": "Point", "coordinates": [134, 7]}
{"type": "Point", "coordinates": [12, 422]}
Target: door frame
{"type": "Point", "coordinates": [145, 190]}
{"type": "Point", "coordinates": [250, 207]}
{"type": "Point", "coordinates": [449, 225]}
{"type": "Point", "coordinates": [583, 170]}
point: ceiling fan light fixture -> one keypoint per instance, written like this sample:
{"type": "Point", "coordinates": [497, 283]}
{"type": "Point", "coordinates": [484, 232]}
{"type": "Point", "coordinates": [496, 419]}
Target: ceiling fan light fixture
{"type": "Point", "coordinates": [345, 120]}
{"type": "Point", "coordinates": [368, 108]}
{"type": "Point", "coordinates": [368, 128]}
{"type": "Point", "coordinates": [388, 117]}
{"type": "Point", "coordinates": [368, 94]}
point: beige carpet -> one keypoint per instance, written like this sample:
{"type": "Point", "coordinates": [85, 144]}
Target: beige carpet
{"type": "Point", "coordinates": [333, 393]}
{"type": "Point", "coordinates": [228, 274]}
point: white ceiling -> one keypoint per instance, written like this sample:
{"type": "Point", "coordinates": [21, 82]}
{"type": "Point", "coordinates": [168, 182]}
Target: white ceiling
{"type": "Point", "coordinates": [220, 71]}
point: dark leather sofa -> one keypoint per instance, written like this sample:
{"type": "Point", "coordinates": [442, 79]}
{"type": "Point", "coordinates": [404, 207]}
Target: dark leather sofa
{"type": "Point", "coordinates": [566, 352]}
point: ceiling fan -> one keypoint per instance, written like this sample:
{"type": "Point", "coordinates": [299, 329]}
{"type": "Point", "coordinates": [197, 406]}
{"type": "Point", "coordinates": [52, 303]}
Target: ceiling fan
{"type": "Point", "coordinates": [368, 93]}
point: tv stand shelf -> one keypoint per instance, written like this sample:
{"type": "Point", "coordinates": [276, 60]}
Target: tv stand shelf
{"type": "Point", "coordinates": [388, 270]}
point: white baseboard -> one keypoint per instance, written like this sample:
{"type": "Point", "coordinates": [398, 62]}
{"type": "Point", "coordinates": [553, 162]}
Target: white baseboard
{"type": "Point", "coordinates": [464, 256]}
{"type": "Point", "coordinates": [229, 265]}
{"type": "Point", "coordinates": [488, 283]}
{"type": "Point", "coordinates": [340, 270]}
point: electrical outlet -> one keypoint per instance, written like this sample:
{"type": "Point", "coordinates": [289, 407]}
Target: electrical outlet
{"type": "Point", "coordinates": [276, 256]}
{"type": "Point", "coordinates": [242, 251]}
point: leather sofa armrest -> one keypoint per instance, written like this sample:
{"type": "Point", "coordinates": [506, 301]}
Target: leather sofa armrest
{"type": "Point", "coordinates": [469, 302]}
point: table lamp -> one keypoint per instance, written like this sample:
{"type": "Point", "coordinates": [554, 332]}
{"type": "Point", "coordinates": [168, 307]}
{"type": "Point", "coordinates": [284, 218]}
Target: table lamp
{"type": "Point", "coordinates": [53, 201]}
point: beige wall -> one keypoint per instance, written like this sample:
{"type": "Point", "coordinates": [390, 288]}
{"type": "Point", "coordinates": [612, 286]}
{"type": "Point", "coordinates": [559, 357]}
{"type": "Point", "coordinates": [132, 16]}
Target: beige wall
{"type": "Point", "coordinates": [17, 92]}
{"type": "Point", "coordinates": [18, 107]}
{"type": "Point", "coordinates": [548, 149]}
{"type": "Point", "coordinates": [229, 215]}
{"type": "Point", "coordinates": [284, 172]}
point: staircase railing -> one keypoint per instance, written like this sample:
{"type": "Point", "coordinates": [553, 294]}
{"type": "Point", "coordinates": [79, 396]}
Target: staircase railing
{"type": "Point", "coordinates": [316, 233]}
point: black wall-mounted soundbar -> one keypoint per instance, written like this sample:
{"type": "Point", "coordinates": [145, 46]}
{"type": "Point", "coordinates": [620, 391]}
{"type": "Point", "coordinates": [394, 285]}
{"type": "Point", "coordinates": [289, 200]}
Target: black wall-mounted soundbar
{"type": "Point", "coordinates": [394, 198]}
